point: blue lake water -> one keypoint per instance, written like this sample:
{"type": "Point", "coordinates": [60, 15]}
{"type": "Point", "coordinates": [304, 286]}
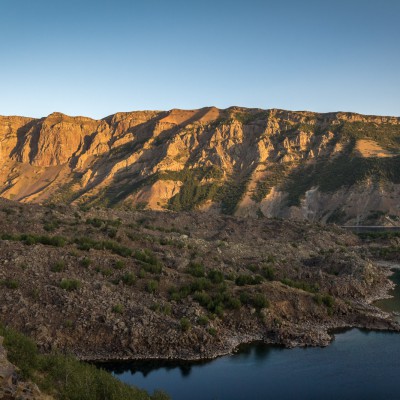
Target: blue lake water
{"type": "Point", "coordinates": [357, 365]}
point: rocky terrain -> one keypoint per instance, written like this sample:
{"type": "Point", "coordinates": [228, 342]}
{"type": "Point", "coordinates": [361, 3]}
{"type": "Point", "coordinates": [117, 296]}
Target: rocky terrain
{"type": "Point", "coordinates": [111, 283]}
{"type": "Point", "coordinates": [333, 167]}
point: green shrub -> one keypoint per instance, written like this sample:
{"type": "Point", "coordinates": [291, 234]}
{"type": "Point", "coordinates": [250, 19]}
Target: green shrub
{"type": "Point", "coordinates": [58, 267]}
{"type": "Point", "coordinates": [199, 285]}
{"type": "Point", "coordinates": [31, 239]}
{"type": "Point", "coordinates": [196, 269]}
{"type": "Point", "coordinates": [118, 309]}
{"type": "Point", "coordinates": [308, 287]}
{"type": "Point", "coordinates": [96, 222]}
{"type": "Point", "coordinates": [233, 303]}
{"type": "Point", "coordinates": [151, 286]}
{"type": "Point", "coordinates": [51, 226]}
{"type": "Point", "coordinates": [10, 283]}
{"type": "Point", "coordinates": [105, 271]}
{"type": "Point", "coordinates": [185, 324]}
{"type": "Point", "coordinates": [129, 279]}
{"type": "Point", "coordinates": [119, 264]}
{"type": "Point", "coordinates": [149, 261]}
{"type": "Point", "coordinates": [245, 298]}
{"type": "Point", "coordinates": [69, 284]}
{"type": "Point", "coordinates": [212, 331]}
{"type": "Point", "coordinates": [202, 320]}
{"type": "Point", "coordinates": [85, 243]}
{"type": "Point", "coordinates": [260, 301]}
{"type": "Point", "coordinates": [86, 262]}
{"type": "Point", "coordinates": [328, 300]}
{"type": "Point", "coordinates": [162, 308]}
{"type": "Point", "coordinates": [215, 276]}
{"type": "Point", "coordinates": [243, 280]}
{"type": "Point", "coordinates": [268, 273]}
{"type": "Point", "coordinates": [203, 298]}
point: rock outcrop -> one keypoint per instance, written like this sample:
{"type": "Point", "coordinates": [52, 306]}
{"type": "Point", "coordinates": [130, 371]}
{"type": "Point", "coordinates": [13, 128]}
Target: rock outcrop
{"type": "Point", "coordinates": [335, 167]}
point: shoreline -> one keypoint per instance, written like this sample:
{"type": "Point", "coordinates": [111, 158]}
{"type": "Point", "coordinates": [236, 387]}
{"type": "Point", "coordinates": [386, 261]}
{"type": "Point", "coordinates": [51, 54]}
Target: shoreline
{"type": "Point", "coordinates": [325, 332]}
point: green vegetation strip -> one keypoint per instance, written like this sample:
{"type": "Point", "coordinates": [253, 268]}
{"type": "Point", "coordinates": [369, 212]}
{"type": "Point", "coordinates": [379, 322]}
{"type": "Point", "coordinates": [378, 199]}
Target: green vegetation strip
{"type": "Point", "coordinates": [64, 377]}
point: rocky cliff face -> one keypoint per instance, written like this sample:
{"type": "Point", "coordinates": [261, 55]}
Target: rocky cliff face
{"type": "Point", "coordinates": [335, 167]}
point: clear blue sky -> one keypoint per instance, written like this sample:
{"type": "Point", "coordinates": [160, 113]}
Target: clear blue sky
{"type": "Point", "coordinates": [97, 57]}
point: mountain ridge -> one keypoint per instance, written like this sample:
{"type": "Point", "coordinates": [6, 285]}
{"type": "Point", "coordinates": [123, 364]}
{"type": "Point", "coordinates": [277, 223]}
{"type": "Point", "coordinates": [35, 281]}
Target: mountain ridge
{"type": "Point", "coordinates": [243, 161]}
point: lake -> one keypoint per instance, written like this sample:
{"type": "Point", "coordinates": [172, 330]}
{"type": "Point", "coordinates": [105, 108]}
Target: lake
{"type": "Point", "coordinates": [357, 365]}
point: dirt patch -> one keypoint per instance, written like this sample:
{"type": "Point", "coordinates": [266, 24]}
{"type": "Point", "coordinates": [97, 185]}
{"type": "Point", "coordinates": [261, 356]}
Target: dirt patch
{"type": "Point", "coordinates": [369, 148]}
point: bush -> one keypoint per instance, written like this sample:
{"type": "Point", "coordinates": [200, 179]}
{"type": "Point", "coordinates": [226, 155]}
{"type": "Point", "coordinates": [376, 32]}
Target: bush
{"type": "Point", "coordinates": [268, 273]}
{"type": "Point", "coordinates": [58, 267]}
{"type": "Point", "coordinates": [233, 303]}
{"type": "Point", "coordinates": [245, 297]}
{"type": "Point", "coordinates": [212, 331]}
{"type": "Point", "coordinates": [328, 300]}
{"type": "Point", "coordinates": [196, 269]}
{"type": "Point", "coordinates": [185, 324]}
{"type": "Point", "coordinates": [243, 280]}
{"type": "Point", "coordinates": [86, 262]}
{"type": "Point", "coordinates": [202, 320]}
{"type": "Point", "coordinates": [129, 279]}
{"type": "Point", "coordinates": [85, 243]}
{"type": "Point", "coordinates": [260, 301]}
{"type": "Point", "coordinates": [162, 308]}
{"type": "Point", "coordinates": [119, 264]}
{"type": "Point", "coordinates": [312, 288]}
{"type": "Point", "coordinates": [215, 276]}
{"type": "Point", "coordinates": [118, 309]}
{"type": "Point", "coordinates": [152, 286]}
{"type": "Point", "coordinates": [31, 239]}
{"type": "Point", "coordinates": [149, 261]}
{"type": "Point", "coordinates": [11, 283]}
{"type": "Point", "coordinates": [199, 285]}
{"type": "Point", "coordinates": [202, 298]}
{"type": "Point", "coordinates": [69, 284]}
